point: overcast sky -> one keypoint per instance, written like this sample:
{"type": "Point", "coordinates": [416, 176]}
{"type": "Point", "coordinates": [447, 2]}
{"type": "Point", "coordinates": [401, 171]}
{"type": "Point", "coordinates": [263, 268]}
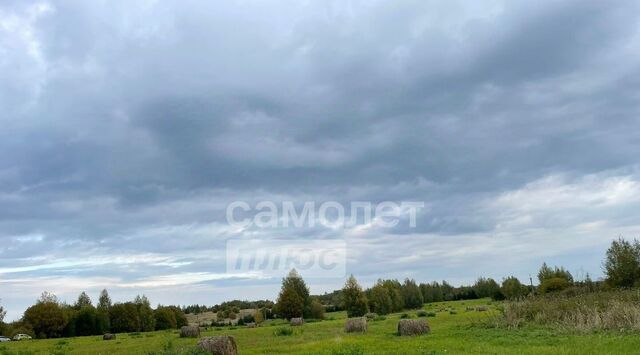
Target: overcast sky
{"type": "Point", "coordinates": [126, 128]}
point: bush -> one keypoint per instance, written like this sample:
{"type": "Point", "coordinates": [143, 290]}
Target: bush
{"type": "Point", "coordinates": [405, 316]}
{"type": "Point", "coordinates": [547, 273]}
{"type": "Point", "coordinates": [181, 319]}
{"type": "Point", "coordinates": [421, 313]}
{"type": "Point", "coordinates": [554, 284]}
{"type": "Point", "coordinates": [512, 288]}
{"type": "Point", "coordinates": [46, 318]}
{"type": "Point", "coordinates": [165, 318]}
{"type": "Point", "coordinates": [316, 309]}
{"type": "Point", "coordinates": [283, 331]}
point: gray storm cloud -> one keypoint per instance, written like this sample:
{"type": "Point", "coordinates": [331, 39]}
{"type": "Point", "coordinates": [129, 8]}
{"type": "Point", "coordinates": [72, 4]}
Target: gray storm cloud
{"type": "Point", "coordinates": [127, 128]}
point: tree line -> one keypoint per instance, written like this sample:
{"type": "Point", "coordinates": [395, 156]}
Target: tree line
{"type": "Point", "coordinates": [50, 318]}
{"type": "Point", "coordinates": [621, 267]}
{"type": "Point", "coordinates": [229, 306]}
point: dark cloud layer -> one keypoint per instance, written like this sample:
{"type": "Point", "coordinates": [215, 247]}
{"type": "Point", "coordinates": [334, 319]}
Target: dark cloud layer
{"type": "Point", "coordinates": [128, 128]}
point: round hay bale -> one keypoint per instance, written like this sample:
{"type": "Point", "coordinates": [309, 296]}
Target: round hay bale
{"type": "Point", "coordinates": [296, 322]}
{"type": "Point", "coordinates": [355, 325]}
{"type": "Point", "coordinates": [251, 325]}
{"type": "Point", "coordinates": [109, 336]}
{"type": "Point", "coordinates": [413, 327]}
{"type": "Point", "coordinates": [371, 315]}
{"type": "Point", "coordinates": [219, 345]}
{"type": "Point", "coordinates": [190, 331]}
{"type": "Point", "coordinates": [482, 308]}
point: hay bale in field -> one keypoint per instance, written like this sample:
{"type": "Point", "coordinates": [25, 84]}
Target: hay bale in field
{"type": "Point", "coordinates": [219, 345]}
{"type": "Point", "coordinates": [190, 331]}
{"type": "Point", "coordinates": [482, 308]}
{"type": "Point", "coordinates": [371, 315]}
{"type": "Point", "coordinates": [355, 325]}
{"type": "Point", "coordinates": [413, 327]}
{"type": "Point", "coordinates": [296, 321]}
{"type": "Point", "coordinates": [251, 325]}
{"type": "Point", "coordinates": [109, 336]}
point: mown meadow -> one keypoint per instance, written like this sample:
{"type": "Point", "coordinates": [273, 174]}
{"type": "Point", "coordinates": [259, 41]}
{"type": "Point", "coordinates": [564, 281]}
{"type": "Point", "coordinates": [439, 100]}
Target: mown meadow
{"type": "Point", "coordinates": [456, 328]}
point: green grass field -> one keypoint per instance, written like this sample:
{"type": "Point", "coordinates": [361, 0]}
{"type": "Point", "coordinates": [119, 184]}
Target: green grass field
{"type": "Point", "coordinates": [459, 333]}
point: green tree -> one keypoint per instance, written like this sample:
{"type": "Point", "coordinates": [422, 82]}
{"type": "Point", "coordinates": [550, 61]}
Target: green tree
{"type": "Point", "coordinates": [317, 309]}
{"type": "Point", "coordinates": [69, 313]}
{"type": "Point", "coordinates": [554, 284]}
{"type": "Point", "coordinates": [102, 313]}
{"type": "Point", "coordinates": [86, 321]}
{"type": "Point", "coordinates": [622, 264]}
{"type": "Point", "coordinates": [46, 317]}
{"type": "Point", "coordinates": [448, 291]}
{"type": "Point", "coordinates": [181, 319]}
{"type": "Point", "coordinates": [547, 273]}
{"type": "Point", "coordinates": [287, 308]}
{"type": "Point", "coordinates": [379, 299]}
{"type": "Point", "coordinates": [394, 288]}
{"type": "Point", "coordinates": [290, 304]}
{"type": "Point", "coordinates": [431, 292]}
{"type": "Point", "coordinates": [3, 313]}
{"type": "Point", "coordinates": [48, 297]}
{"type": "Point", "coordinates": [553, 279]}
{"type": "Point", "coordinates": [145, 313]}
{"type": "Point", "coordinates": [486, 287]}
{"type": "Point", "coordinates": [104, 302]}
{"type": "Point", "coordinates": [355, 301]}
{"type": "Point", "coordinates": [83, 301]}
{"type": "Point", "coordinates": [259, 316]}
{"type": "Point", "coordinates": [411, 295]}
{"type": "Point", "coordinates": [124, 317]}
{"type": "Point", "coordinates": [512, 288]}
{"type": "Point", "coordinates": [165, 318]}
